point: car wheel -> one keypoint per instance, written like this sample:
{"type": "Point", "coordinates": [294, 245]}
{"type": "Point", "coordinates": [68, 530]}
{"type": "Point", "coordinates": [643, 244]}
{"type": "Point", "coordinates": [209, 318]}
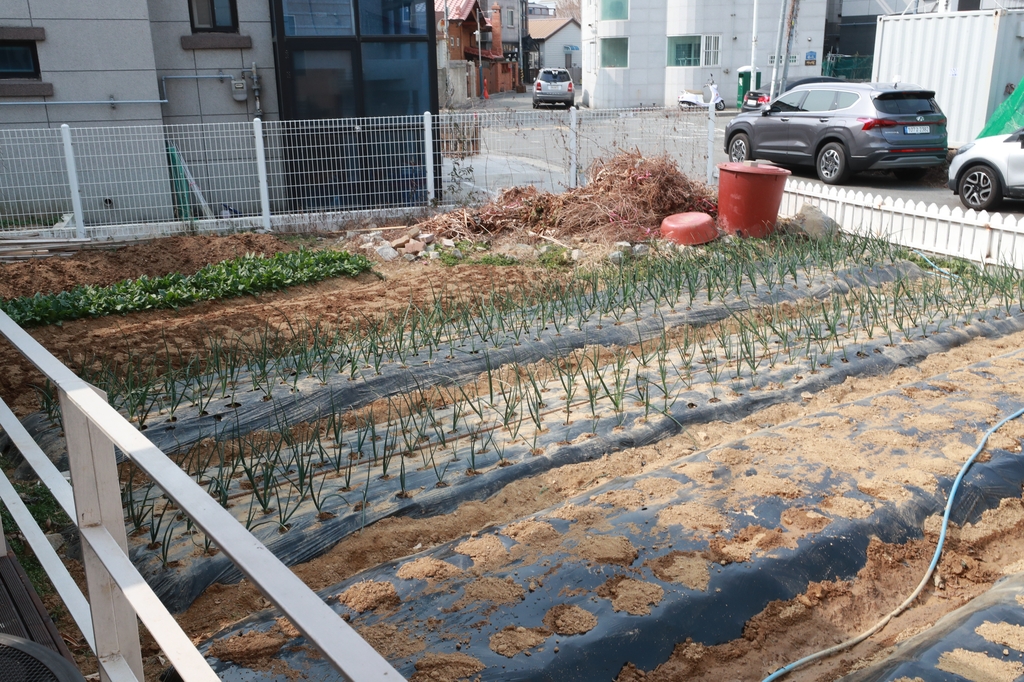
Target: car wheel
{"type": "Point", "coordinates": [831, 164]}
{"type": "Point", "coordinates": [536, 106]}
{"type": "Point", "coordinates": [909, 174]}
{"type": "Point", "coordinates": [739, 148]}
{"type": "Point", "coordinates": [979, 188]}
{"type": "Point", "coordinates": [720, 105]}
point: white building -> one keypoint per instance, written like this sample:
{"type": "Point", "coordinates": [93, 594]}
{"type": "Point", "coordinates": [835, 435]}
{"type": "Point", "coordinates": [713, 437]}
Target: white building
{"type": "Point", "coordinates": [643, 52]}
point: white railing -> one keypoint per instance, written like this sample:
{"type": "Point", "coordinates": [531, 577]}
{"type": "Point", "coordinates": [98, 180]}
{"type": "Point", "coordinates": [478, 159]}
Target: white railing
{"type": "Point", "coordinates": [986, 239]}
{"type": "Point", "coordinates": [103, 182]}
{"type": "Point", "coordinates": [118, 594]}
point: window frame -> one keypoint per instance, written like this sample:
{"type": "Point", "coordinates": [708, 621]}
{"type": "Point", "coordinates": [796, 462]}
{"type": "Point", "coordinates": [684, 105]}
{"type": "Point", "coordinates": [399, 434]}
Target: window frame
{"type": "Point", "coordinates": [601, 50]}
{"type": "Point", "coordinates": [511, 18]}
{"type": "Point", "coordinates": [21, 75]}
{"type": "Point", "coordinates": [708, 44]}
{"type": "Point", "coordinates": [233, 28]}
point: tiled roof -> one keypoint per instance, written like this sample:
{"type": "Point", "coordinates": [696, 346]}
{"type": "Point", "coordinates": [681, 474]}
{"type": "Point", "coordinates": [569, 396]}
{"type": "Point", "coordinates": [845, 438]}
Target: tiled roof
{"type": "Point", "coordinates": [542, 28]}
{"type": "Point", "coordinates": [458, 10]}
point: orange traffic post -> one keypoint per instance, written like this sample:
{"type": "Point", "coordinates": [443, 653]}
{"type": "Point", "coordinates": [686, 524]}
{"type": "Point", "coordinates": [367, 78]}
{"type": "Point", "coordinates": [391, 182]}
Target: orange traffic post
{"type": "Point", "coordinates": [486, 96]}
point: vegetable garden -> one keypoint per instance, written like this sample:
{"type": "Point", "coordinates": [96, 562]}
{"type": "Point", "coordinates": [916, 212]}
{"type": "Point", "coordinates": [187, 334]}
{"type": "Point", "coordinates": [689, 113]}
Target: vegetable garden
{"type": "Point", "coordinates": [315, 428]}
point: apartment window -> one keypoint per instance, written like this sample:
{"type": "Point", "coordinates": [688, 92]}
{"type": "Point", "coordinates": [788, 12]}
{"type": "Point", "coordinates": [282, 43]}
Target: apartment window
{"type": "Point", "coordinates": [693, 50]}
{"type": "Point", "coordinates": [684, 51]}
{"type": "Point", "coordinates": [511, 21]}
{"type": "Point", "coordinates": [213, 16]}
{"type": "Point", "coordinates": [614, 10]}
{"type": "Point", "coordinates": [771, 60]}
{"type": "Point", "coordinates": [711, 45]}
{"type": "Point", "coordinates": [18, 59]}
{"type": "Point", "coordinates": [614, 53]}
{"type": "Point", "coordinates": [792, 59]}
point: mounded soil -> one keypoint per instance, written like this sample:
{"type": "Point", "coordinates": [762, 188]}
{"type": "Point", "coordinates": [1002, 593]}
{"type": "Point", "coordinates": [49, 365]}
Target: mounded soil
{"type": "Point", "coordinates": [823, 614]}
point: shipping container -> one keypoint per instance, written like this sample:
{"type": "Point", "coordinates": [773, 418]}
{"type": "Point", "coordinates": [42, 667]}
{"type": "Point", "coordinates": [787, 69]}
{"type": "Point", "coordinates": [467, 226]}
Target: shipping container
{"type": "Point", "coordinates": [972, 60]}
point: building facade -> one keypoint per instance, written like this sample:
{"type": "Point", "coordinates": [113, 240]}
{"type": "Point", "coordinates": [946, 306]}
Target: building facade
{"type": "Point", "coordinates": [644, 52]}
{"type": "Point", "coordinates": [556, 43]}
{"type": "Point", "coordinates": [88, 62]}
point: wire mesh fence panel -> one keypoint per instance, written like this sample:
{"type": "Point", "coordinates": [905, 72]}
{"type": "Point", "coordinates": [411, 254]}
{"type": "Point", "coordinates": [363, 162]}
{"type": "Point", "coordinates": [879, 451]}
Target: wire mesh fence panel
{"type": "Point", "coordinates": [680, 134]}
{"type": "Point", "coordinates": [346, 164]}
{"type": "Point", "coordinates": [34, 191]}
{"type": "Point", "coordinates": [485, 152]}
{"type": "Point", "coordinates": [217, 163]}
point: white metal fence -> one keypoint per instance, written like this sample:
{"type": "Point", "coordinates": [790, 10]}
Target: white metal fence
{"type": "Point", "coordinates": [987, 239]}
{"type": "Point", "coordinates": [118, 595]}
{"type": "Point", "coordinates": [161, 180]}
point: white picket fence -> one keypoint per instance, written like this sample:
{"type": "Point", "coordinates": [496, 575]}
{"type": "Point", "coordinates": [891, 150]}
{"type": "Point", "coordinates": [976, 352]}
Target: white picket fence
{"type": "Point", "coordinates": [984, 238]}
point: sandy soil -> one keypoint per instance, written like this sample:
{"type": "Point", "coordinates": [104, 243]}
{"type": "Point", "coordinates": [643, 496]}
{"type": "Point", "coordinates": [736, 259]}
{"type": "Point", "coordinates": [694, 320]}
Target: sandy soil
{"type": "Point", "coordinates": [824, 614]}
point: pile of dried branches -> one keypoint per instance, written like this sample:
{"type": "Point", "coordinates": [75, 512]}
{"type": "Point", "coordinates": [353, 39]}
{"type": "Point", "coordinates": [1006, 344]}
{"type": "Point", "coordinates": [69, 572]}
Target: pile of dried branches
{"type": "Point", "coordinates": [625, 197]}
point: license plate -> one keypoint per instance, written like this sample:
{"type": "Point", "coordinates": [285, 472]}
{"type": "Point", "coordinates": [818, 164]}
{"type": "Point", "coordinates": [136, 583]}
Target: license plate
{"type": "Point", "coordinates": [556, 87]}
{"type": "Point", "coordinates": [916, 130]}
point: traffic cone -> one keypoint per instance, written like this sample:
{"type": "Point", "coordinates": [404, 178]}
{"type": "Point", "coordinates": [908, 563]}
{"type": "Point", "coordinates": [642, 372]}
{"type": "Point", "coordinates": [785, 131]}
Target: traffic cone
{"type": "Point", "coordinates": [486, 96]}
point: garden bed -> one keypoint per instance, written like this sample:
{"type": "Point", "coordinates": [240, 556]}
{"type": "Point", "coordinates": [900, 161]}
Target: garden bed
{"type": "Point", "coordinates": [339, 422]}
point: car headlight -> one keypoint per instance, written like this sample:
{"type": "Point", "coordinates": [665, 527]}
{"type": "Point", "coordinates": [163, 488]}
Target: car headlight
{"type": "Point", "coordinates": [964, 148]}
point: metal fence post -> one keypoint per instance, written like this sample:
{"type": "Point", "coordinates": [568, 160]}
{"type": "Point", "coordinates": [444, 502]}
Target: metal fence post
{"type": "Point", "coordinates": [97, 492]}
{"type": "Point", "coordinates": [428, 153]}
{"type": "Point", "coordinates": [261, 169]}
{"type": "Point", "coordinates": [76, 197]}
{"type": "Point", "coordinates": [711, 142]}
{"type": "Point", "coordinates": [573, 147]}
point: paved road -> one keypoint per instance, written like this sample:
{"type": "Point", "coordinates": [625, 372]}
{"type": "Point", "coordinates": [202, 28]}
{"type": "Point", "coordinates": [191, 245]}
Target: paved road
{"type": "Point", "coordinates": [872, 182]}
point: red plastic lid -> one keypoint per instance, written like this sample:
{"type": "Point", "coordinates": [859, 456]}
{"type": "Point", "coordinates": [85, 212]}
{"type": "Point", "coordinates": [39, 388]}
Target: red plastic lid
{"type": "Point", "coordinates": [753, 168]}
{"type": "Point", "coordinates": [689, 228]}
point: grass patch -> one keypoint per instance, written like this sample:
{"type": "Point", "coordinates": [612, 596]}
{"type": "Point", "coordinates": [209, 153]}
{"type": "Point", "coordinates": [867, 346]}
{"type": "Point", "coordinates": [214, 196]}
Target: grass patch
{"type": "Point", "coordinates": [247, 275]}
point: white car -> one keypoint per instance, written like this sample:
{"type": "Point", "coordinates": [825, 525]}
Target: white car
{"type": "Point", "coordinates": [988, 169]}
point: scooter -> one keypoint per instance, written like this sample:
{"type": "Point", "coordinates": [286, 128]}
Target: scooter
{"type": "Point", "coordinates": [695, 98]}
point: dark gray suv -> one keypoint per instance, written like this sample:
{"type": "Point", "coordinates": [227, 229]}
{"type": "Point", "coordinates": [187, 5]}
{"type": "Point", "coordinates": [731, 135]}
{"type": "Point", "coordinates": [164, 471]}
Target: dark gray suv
{"type": "Point", "coordinates": [843, 128]}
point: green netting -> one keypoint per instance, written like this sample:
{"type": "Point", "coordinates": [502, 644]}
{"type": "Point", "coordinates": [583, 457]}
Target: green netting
{"type": "Point", "coordinates": [1009, 116]}
{"type": "Point", "coordinates": [848, 67]}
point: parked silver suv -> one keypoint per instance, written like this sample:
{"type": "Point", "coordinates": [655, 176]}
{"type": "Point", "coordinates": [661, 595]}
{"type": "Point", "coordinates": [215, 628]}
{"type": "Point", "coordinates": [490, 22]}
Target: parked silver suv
{"type": "Point", "coordinates": [843, 128]}
{"type": "Point", "coordinates": [553, 86]}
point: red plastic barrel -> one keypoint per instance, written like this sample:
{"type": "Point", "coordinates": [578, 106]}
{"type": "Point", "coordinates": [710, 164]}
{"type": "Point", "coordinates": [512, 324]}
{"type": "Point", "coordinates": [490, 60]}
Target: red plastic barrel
{"type": "Point", "coordinates": [689, 228]}
{"type": "Point", "coordinates": [749, 197]}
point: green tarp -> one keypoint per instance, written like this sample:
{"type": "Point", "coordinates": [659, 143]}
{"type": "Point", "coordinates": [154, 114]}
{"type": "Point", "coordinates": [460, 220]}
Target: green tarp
{"type": "Point", "coordinates": [1008, 117]}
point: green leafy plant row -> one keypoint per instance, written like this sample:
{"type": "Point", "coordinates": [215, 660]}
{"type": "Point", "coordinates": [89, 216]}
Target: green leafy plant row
{"type": "Point", "coordinates": [249, 274]}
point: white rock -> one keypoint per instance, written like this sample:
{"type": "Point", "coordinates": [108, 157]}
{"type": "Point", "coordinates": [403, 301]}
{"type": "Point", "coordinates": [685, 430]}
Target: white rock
{"type": "Point", "coordinates": [386, 252]}
{"type": "Point", "coordinates": [448, 243]}
{"type": "Point", "coordinates": [641, 250]}
{"type": "Point", "coordinates": [56, 541]}
{"type": "Point", "coordinates": [617, 257]}
{"type": "Point", "coordinates": [576, 255]}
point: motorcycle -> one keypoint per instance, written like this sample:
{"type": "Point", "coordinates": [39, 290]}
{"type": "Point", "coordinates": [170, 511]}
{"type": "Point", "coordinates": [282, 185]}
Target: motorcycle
{"type": "Point", "coordinates": [695, 98]}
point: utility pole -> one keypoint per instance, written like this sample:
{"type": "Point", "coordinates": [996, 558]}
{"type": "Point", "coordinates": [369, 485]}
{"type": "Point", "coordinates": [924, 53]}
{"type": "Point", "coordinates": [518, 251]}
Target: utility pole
{"type": "Point", "coordinates": [778, 51]}
{"type": "Point", "coordinates": [479, 55]}
{"type": "Point", "coordinates": [522, 77]}
{"type": "Point", "coordinates": [753, 51]}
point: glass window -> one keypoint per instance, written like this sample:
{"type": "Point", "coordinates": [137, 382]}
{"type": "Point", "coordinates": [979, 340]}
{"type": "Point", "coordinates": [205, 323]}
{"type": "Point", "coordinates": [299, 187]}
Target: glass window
{"type": "Point", "coordinates": [614, 53]}
{"type": "Point", "coordinates": [395, 79]}
{"type": "Point", "coordinates": [213, 16]}
{"type": "Point", "coordinates": [511, 20]}
{"type": "Point", "coordinates": [393, 17]}
{"type": "Point", "coordinates": [907, 103]}
{"type": "Point", "coordinates": [711, 45]}
{"type": "Point", "coordinates": [845, 100]}
{"type": "Point", "coordinates": [18, 60]}
{"type": "Point", "coordinates": [684, 51]}
{"type": "Point", "coordinates": [324, 84]}
{"type": "Point", "coordinates": [554, 76]}
{"type": "Point", "coordinates": [614, 10]}
{"type": "Point", "coordinates": [318, 18]}
{"type": "Point", "coordinates": [819, 100]}
{"type": "Point", "coordinates": [789, 102]}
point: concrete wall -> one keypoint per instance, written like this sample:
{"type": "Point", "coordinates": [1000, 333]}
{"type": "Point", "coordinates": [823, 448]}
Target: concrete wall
{"type": "Point", "coordinates": [209, 100]}
{"type": "Point", "coordinates": [93, 50]}
{"type": "Point", "coordinates": [649, 79]}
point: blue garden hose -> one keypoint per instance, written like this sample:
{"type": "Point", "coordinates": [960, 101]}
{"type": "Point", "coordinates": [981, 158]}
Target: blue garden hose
{"type": "Point", "coordinates": [928, 260]}
{"type": "Point", "coordinates": [778, 674]}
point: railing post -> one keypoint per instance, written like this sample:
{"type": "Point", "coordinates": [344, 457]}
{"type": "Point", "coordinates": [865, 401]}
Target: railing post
{"type": "Point", "coordinates": [97, 492]}
{"type": "Point", "coordinates": [573, 147]}
{"type": "Point", "coordinates": [428, 153]}
{"type": "Point", "coordinates": [711, 143]}
{"type": "Point", "coordinates": [76, 197]}
{"type": "Point", "coordinates": [261, 169]}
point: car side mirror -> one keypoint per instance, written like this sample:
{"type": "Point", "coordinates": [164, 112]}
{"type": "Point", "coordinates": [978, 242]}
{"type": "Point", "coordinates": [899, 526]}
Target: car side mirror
{"type": "Point", "coordinates": [765, 110]}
